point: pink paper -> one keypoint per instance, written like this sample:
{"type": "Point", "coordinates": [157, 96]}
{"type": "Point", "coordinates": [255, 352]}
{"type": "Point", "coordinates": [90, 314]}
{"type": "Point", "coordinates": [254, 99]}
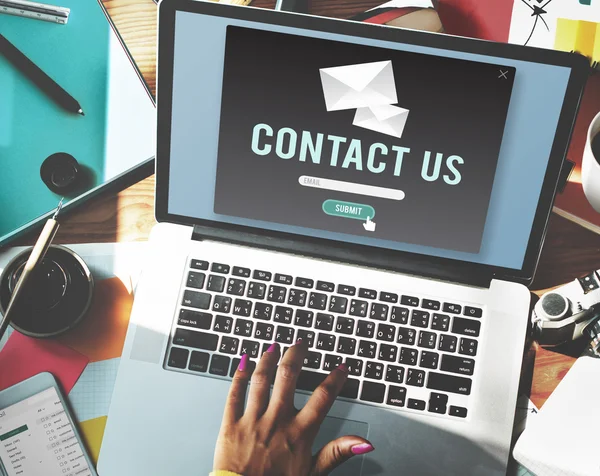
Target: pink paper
{"type": "Point", "coordinates": [23, 357]}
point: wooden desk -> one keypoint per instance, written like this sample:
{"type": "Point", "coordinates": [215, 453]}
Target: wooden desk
{"type": "Point", "coordinates": [569, 251]}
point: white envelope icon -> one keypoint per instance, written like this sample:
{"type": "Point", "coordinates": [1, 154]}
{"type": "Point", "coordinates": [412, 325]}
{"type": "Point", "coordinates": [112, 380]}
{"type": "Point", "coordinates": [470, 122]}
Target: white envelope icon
{"type": "Point", "coordinates": [386, 119]}
{"type": "Point", "coordinates": [358, 85]}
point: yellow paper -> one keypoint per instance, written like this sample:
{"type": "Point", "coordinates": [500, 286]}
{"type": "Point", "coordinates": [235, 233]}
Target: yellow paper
{"type": "Point", "coordinates": [92, 432]}
{"type": "Point", "coordinates": [578, 35]}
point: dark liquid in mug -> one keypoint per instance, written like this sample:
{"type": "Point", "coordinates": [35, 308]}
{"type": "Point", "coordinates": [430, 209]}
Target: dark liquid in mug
{"type": "Point", "coordinates": [596, 147]}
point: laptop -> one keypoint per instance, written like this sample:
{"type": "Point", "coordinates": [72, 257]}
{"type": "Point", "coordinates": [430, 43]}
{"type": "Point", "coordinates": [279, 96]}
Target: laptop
{"type": "Point", "coordinates": [381, 193]}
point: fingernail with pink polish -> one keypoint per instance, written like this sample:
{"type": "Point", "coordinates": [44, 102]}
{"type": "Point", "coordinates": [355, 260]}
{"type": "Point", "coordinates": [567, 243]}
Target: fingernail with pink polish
{"type": "Point", "coordinates": [273, 347]}
{"type": "Point", "coordinates": [343, 368]}
{"type": "Point", "coordinates": [362, 448]}
{"type": "Point", "coordinates": [243, 363]}
{"type": "Point", "coordinates": [299, 341]}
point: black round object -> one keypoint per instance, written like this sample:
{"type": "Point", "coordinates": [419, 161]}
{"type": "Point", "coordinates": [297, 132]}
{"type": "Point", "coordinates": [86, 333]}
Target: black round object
{"type": "Point", "coordinates": [60, 172]}
{"type": "Point", "coordinates": [56, 297]}
{"type": "Point", "coordinates": [554, 305]}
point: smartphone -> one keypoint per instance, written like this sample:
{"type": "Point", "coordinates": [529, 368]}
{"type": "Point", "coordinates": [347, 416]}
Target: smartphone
{"type": "Point", "coordinates": [38, 436]}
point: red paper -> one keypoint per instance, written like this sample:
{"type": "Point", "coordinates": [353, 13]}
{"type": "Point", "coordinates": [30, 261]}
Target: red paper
{"type": "Point", "coordinates": [484, 19]}
{"type": "Point", "coordinates": [23, 357]}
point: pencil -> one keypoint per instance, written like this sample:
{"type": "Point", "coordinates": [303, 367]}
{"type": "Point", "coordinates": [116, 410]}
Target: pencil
{"type": "Point", "coordinates": [38, 77]}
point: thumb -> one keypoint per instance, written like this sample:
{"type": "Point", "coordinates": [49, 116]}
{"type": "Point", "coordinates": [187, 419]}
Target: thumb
{"type": "Point", "coordinates": [337, 451]}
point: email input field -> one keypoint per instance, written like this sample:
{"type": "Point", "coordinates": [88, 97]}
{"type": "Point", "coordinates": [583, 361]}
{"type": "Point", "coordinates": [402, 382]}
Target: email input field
{"type": "Point", "coordinates": [350, 187]}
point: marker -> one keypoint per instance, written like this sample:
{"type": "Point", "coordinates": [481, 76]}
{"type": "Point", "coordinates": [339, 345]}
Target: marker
{"type": "Point", "coordinates": [38, 11]}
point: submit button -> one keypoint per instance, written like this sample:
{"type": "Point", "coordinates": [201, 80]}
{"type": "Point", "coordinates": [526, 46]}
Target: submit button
{"type": "Point", "coordinates": [358, 211]}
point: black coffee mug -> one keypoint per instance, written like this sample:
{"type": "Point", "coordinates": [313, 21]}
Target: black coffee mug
{"type": "Point", "coordinates": [57, 296]}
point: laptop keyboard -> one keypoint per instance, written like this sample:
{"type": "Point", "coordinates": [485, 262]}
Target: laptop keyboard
{"type": "Point", "coordinates": [406, 352]}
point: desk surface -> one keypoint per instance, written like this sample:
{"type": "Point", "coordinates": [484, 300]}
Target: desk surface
{"type": "Point", "coordinates": [570, 250]}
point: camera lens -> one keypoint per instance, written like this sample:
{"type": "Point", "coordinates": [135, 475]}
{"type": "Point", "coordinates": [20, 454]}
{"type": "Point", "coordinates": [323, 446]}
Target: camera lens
{"type": "Point", "coordinates": [554, 306]}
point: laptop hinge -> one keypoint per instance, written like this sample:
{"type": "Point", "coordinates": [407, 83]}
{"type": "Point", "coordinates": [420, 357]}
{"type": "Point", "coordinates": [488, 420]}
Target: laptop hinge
{"type": "Point", "coordinates": [406, 263]}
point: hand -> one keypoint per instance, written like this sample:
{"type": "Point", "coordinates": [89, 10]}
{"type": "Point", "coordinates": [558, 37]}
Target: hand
{"type": "Point", "coordinates": [369, 225]}
{"type": "Point", "coordinates": [270, 437]}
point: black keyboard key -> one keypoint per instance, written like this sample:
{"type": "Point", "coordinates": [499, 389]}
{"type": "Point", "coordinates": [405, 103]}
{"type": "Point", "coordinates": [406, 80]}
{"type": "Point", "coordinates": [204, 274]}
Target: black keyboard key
{"type": "Point", "coordinates": [199, 320]}
{"type": "Point", "coordinates": [297, 297]}
{"type": "Point", "coordinates": [326, 342]}
{"type": "Point", "coordinates": [195, 280]}
{"type": "Point", "coordinates": [243, 328]}
{"type": "Point", "coordinates": [365, 329]}
{"type": "Point", "coordinates": [355, 366]}
{"type": "Point", "coordinates": [449, 383]}
{"type": "Point", "coordinates": [447, 343]}
{"type": "Point", "coordinates": [344, 325]}
{"type": "Point", "coordinates": [263, 311]}
{"type": "Point", "coordinates": [220, 268]}
{"type": "Point", "coordinates": [373, 392]}
{"type": "Point", "coordinates": [241, 272]}
{"type": "Point", "coordinates": [304, 318]}
{"type": "Point", "coordinates": [249, 347]}
{"type": "Point", "coordinates": [399, 315]}
{"type": "Point", "coordinates": [457, 365]}
{"type": "Point", "coordinates": [285, 335]}
{"type": "Point", "coordinates": [324, 322]}
{"type": "Point", "coordinates": [223, 324]}
{"type": "Point", "coordinates": [350, 389]}
{"type": "Point", "coordinates": [229, 345]}
{"type": "Point", "coordinates": [406, 335]}
{"type": "Point", "coordinates": [178, 358]}
{"type": "Point", "coordinates": [415, 404]}
{"type": "Point", "coordinates": [427, 340]}
{"type": "Point", "coordinates": [408, 356]}
{"type": "Point", "coordinates": [221, 304]}
{"type": "Point", "coordinates": [472, 311]}
{"type": "Point", "coordinates": [332, 361]}
{"type": "Point", "coordinates": [196, 299]}
{"type": "Point", "coordinates": [283, 314]}
{"type": "Point", "coordinates": [388, 297]}
{"type": "Point", "coordinates": [467, 327]}
{"type": "Point", "coordinates": [307, 336]}
{"type": "Point", "coordinates": [419, 319]}
{"type": "Point", "coordinates": [242, 307]}
{"type": "Point", "coordinates": [409, 301]}
{"type": "Point", "coordinates": [235, 364]}
{"type": "Point", "coordinates": [429, 360]}
{"type": "Point", "coordinates": [264, 331]}
{"type": "Point", "coordinates": [325, 286]}
{"type": "Point", "coordinates": [199, 361]}
{"type": "Point", "coordinates": [374, 370]}
{"type": "Point", "coordinates": [459, 412]}
{"type": "Point", "coordinates": [467, 347]}
{"type": "Point", "coordinates": [215, 283]}
{"type": "Point", "coordinates": [367, 293]}
{"type": "Point", "coordinates": [386, 332]}
{"type": "Point", "coordinates": [347, 290]}
{"type": "Point", "coordinates": [312, 360]}
{"type": "Point", "coordinates": [276, 294]}
{"type": "Point", "coordinates": [396, 396]}
{"type": "Point", "coordinates": [379, 311]}
{"type": "Point", "coordinates": [195, 339]}
{"type": "Point", "coordinates": [283, 279]}
{"type": "Point", "coordinates": [367, 349]}
{"type": "Point", "coordinates": [431, 305]}
{"type": "Point", "coordinates": [394, 374]}
{"type": "Point", "coordinates": [452, 308]}
{"type": "Point", "coordinates": [257, 290]}
{"type": "Point", "coordinates": [358, 308]}
{"type": "Point", "coordinates": [437, 403]}
{"type": "Point", "coordinates": [219, 365]}
{"type": "Point", "coordinates": [262, 275]}
{"type": "Point", "coordinates": [318, 301]}
{"type": "Point", "coordinates": [338, 304]}
{"type": "Point", "coordinates": [236, 286]}
{"type": "Point", "coordinates": [346, 345]}
{"type": "Point", "coordinates": [304, 283]}
{"type": "Point", "coordinates": [388, 353]}
{"type": "Point", "coordinates": [199, 264]}
{"type": "Point", "coordinates": [308, 380]}
{"type": "Point", "coordinates": [440, 322]}
{"type": "Point", "coordinates": [415, 377]}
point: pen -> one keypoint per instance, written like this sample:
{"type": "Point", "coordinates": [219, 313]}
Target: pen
{"type": "Point", "coordinates": [37, 255]}
{"type": "Point", "coordinates": [38, 77]}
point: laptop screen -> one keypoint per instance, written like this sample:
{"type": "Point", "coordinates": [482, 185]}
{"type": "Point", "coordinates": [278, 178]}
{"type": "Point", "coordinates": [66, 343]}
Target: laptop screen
{"type": "Point", "coordinates": [384, 144]}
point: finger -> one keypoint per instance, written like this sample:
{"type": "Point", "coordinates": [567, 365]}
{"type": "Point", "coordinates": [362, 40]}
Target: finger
{"type": "Point", "coordinates": [260, 384]}
{"type": "Point", "coordinates": [234, 406]}
{"type": "Point", "coordinates": [320, 402]}
{"type": "Point", "coordinates": [337, 451]}
{"type": "Point", "coordinates": [287, 376]}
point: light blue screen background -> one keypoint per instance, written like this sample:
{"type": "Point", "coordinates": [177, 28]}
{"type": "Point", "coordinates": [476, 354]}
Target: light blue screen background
{"type": "Point", "coordinates": [533, 114]}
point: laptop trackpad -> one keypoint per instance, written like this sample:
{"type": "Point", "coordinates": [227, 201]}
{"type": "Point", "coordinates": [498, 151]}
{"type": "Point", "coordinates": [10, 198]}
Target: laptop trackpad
{"type": "Point", "coordinates": [333, 428]}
